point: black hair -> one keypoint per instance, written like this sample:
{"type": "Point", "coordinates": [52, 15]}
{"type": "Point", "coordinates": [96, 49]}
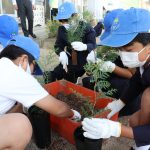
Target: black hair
{"type": "Point", "coordinates": [74, 14]}
{"type": "Point", "coordinates": [63, 20]}
{"type": "Point", "coordinates": [13, 52]}
{"type": "Point", "coordinates": [143, 38]}
{"type": "Point", "coordinates": [66, 20]}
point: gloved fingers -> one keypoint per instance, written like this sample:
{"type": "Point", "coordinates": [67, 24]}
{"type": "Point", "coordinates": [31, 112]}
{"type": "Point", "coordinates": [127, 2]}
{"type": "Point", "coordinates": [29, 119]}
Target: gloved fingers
{"type": "Point", "coordinates": [65, 67]}
{"type": "Point", "coordinates": [111, 114]}
{"type": "Point", "coordinates": [110, 105]}
{"type": "Point", "coordinates": [73, 44]}
{"type": "Point", "coordinates": [76, 116]}
{"type": "Point", "coordinates": [75, 47]}
{"type": "Point", "coordinates": [90, 124]}
{"type": "Point", "coordinates": [90, 135]}
{"type": "Point", "coordinates": [67, 62]}
{"type": "Point", "coordinates": [88, 128]}
{"type": "Point", "coordinates": [98, 60]}
{"type": "Point", "coordinates": [91, 57]}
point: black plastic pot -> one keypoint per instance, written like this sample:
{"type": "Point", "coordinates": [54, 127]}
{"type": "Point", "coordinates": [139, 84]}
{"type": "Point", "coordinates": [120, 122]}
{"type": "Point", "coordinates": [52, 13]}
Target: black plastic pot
{"type": "Point", "coordinates": [41, 126]}
{"type": "Point", "coordinates": [83, 143]}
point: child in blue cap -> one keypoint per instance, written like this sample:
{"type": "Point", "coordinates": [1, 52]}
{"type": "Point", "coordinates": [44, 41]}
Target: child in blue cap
{"type": "Point", "coordinates": [130, 33]}
{"type": "Point", "coordinates": [119, 74]}
{"type": "Point", "coordinates": [17, 63]}
{"type": "Point", "coordinates": [64, 49]}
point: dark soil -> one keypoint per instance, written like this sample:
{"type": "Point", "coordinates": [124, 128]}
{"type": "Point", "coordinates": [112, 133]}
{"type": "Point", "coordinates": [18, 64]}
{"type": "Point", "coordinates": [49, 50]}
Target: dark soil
{"type": "Point", "coordinates": [79, 103]}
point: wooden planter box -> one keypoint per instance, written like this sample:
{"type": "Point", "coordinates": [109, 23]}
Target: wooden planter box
{"type": "Point", "coordinates": [64, 126]}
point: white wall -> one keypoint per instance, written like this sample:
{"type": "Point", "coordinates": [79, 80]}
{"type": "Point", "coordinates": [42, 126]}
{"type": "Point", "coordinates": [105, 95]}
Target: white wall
{"type": "Point", "coordinates": [96, 7]}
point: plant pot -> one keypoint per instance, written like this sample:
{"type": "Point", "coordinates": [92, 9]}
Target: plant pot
{"type": "Point", "coordinates": [64, 126]}
{"type": "Point", "coordinates": [41, 126]}
{"type": "Point", "coordinates": [83, 143]}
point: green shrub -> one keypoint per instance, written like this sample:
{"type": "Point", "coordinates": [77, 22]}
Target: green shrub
{"type": "Point", "coordinates": [88, 16]}
{"type": "Point", "coordinates": [107, 53]}
{"type": "Point", "coordinates": [52, 27]}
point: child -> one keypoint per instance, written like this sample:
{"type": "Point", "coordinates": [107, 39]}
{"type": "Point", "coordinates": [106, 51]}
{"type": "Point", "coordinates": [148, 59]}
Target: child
{"type": "Point", "coordinates": [130, 33]}
{"type": "Point", "coordinates": [67, 68]}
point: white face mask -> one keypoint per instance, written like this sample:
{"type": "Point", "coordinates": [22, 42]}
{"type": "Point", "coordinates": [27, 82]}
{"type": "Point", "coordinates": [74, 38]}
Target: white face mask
{"type": "Point", "coordinates": [28, 68]}
{"type": "Point", "coordinates": [131, 59]}
{"type": "Point", "coordinates": [66, 25]}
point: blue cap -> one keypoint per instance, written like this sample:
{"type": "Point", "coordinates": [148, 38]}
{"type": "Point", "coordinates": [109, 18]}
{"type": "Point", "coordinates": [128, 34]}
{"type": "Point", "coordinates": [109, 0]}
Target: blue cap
{"type": "Point", "coordinates": [126, 27]}
{"type": "Point", "coordinates": [108, 21]}
{"type": "Point", "coordinates": [8, 29]}
{"type": "Point", "coordinates": [29, 46]}
{"type": "Point", "coordinates": [65, 11]}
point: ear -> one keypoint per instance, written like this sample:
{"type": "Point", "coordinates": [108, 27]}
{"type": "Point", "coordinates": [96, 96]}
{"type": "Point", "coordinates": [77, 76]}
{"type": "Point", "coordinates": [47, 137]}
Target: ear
{"type": "Point", "coordinates": [24, 61]}
{"type": "Point", "coordinates": [148, 47]}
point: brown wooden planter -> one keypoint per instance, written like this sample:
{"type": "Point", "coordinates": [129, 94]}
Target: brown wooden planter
{"type": "Point", "coordinates": [64, 126]}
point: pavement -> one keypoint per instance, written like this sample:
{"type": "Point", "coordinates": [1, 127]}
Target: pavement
{"type": "Point", "coordinates": [40, 32]}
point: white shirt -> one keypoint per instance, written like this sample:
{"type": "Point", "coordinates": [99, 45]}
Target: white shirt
{"type": "Point", "coordinates": [17, 85]}
{"type": "Point", "coordinates": [14, 2]}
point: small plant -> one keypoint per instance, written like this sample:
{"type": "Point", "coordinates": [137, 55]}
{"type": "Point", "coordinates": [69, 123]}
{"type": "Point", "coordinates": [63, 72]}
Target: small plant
{"type": "Point", "coordinates": [75, 33]}
{"type": "Point", "coordinates": [77, 30]}
{"type": "Point", "coordinates": [52, 27]}
{"type": "Point", "coordinates": [102, 86]}
{"type": "Point", "coordinates": [47, 63]}
{"type": "Point", "coordinates": [88, 16]}
{"type": "Point", "coordinates": [87, 109]}
{"type": "Point", "coordinates": [107, 53]}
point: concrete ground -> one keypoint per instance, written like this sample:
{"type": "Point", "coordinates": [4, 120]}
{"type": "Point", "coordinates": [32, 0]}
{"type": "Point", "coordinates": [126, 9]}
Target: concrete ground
{"type": "Point", "coordinates": [59, 143]}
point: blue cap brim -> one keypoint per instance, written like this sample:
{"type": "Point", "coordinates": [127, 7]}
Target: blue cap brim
{"type": "Point", "coordinates": [4, 41]}
{"type": "Point", "coordinates": [104, 35]}
{"type": "Point", "coordinates": [60, 17]}
{"type": "Point", "coordinates": [37, 70]}
{"type": "Point", "coordinates": [118, 40]}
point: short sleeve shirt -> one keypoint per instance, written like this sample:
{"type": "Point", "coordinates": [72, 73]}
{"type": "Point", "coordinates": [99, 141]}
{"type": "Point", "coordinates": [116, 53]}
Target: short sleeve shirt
{"type": "Point", "coordinates": [17, 86]}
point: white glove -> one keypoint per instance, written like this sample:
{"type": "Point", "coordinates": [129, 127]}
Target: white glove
{"type": "Point", "coordinates": [97, 128]}
{"type": "Point", "coordinates": [63, 58]}
{"type": "Point", "coordinates": [79, 46]}
{"type": "Point", "coordinates": [76, 116]}
{"type": "Point", "coordinates": [115, 106]}
{"type": "Point", "coordinates": [107, 66]}
{"type": "Point", "coordinates": [91, 57]}
{"type": "Point", "coordinates": [98, 60]}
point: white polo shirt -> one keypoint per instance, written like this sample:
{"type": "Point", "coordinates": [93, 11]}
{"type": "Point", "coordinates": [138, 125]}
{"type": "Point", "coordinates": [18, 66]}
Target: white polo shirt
{"type": "Point", "coordinates": [17, 86]}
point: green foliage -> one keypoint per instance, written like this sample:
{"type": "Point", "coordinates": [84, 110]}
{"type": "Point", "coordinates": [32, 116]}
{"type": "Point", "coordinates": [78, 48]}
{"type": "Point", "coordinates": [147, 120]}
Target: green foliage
{"type": "Point", "coordinates": [88, 16]}
{"type": "Point", "coordinates": [100, 78]}
{"type": "Point", "coordinates": [47, 62]}
{"type": "Point", "coordinates": [52, 27]}
{"type": "Point", "coordinates": [77, 30]}
{"type": "Point", "coordinates": [107, 53]}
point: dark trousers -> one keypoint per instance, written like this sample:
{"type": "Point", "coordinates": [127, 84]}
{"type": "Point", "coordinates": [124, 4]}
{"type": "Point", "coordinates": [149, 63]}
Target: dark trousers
{"type": "Point", "coordinates": [25, 11]}
{"type": "Point", "coordinates": [71, 75]}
